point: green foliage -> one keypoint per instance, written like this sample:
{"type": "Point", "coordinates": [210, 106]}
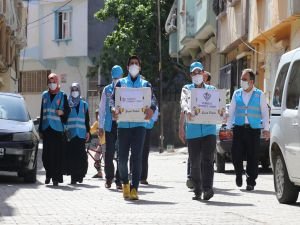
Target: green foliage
{"type": "Point", "coordinates": [135, 32]}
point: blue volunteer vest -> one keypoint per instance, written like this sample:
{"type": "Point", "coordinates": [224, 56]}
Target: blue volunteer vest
{"type": "Point", "coordinates": [50, 118]}
{"type": "Point", "coordinates": [127, 82]}
{"type": "Point", "coordinates": [199, 130]}
{"type": "Point", "coordinates": [108, 116]}
{"type": "Point", "coordinates": [150, 124]}
{"type": "Point", "coordinates": [76, 122]}
{"type": "Point", "coordinates": [252, 110]}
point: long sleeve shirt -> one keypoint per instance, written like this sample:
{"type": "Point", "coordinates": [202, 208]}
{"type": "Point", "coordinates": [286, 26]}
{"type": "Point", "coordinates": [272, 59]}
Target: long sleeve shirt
{"type": "Point", "coordinates": [246, 97]}
{"type": "Point", "coordinates": [102, 110]}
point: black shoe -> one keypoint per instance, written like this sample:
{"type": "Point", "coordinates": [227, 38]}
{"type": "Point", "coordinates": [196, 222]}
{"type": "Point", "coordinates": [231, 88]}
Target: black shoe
{"type": "Point", "coordinates": [208, 195]}
{"type": "Point", "coordinates": [144, 182]}
{"type": "Point", "coordinates": [239, 181]}
{"type": "Point", "coordinates": [47, 181]}
{"type": "Point", "coordinates": [197, 196]}
{"type": "Point", "coordinates": [108, 183]}
{"type": "Point", "coordinates": [55, 183]}
{"type": "Point", "coordinates": [249, 187]}
{"type": "Point", "coordinates": [189, 183]}
{"type": "Point", "coordinates": [80, 180]}
{"type": "Point", "coordinates": [119, 186]}
{"type": "Point", "coordinates": [73, 181]}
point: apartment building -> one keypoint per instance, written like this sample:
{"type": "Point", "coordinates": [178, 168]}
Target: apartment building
{"type": "Point", "coordinates": [66, 39]}
{"type": "Point", "coordinates": [12, 40]}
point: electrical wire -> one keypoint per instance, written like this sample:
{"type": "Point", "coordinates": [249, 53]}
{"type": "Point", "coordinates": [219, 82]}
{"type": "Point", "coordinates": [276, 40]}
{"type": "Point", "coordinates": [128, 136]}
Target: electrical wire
{"type": "Point", "coordinates": [49, 14]}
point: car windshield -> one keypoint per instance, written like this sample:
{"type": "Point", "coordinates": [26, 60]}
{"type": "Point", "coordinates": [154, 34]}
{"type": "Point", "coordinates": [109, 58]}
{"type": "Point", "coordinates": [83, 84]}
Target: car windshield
{"type": "Point", "coordinates": [13, 108]}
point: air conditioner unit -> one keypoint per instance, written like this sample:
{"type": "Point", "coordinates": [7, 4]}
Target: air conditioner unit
{"type": "Point", "coordinates": [210, 45]}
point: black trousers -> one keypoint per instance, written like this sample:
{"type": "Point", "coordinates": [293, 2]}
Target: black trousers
{"type": "Point", "coordinates": [201, 155]}
{"type": "Point", "coordinates": [111, 141]}
{"type": "Point", "coordinates": [53, 154]}
{"type": "Point", "coordinates": [77, 159]}
{"type": "Point", "coordinates": [145, 155]}
{"type": "Point", "coordinates": [245, 145]}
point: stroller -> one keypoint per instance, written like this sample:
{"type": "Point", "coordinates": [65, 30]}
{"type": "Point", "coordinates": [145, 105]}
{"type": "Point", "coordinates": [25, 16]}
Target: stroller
{"type": "Point", "coordinates": [96, 151]}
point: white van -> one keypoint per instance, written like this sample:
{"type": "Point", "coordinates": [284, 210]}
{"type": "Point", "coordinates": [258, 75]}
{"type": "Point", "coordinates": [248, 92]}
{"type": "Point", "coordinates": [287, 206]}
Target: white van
{"type": "Point", "coordinates": [285, 128]}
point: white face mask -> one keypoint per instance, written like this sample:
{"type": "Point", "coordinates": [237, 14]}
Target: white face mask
{"type": "Point", "coordinates": [244, 85]}
{"type": "Point", "coordinates": [75, 94]}
{"type": "Point", "coordinates": [197, 79]}
{"type": "Point", "coordinates": [134, 70]}
{"type": "Point", "coordinates": [52, 86]}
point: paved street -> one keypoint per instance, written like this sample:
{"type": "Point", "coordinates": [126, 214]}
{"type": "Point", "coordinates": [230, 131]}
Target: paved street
{"type": "Point", "coordinates": [165, 201]}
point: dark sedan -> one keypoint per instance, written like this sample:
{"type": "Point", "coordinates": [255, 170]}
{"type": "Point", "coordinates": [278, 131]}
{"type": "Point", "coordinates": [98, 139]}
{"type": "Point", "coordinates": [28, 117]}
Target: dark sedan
{"type": "Point", "coordinates": [18, 138]}
{"type": "Point", "coordinates": [223, 153]}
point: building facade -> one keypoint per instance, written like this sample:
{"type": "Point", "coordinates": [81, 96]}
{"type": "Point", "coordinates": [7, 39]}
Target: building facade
{"type": "Point", "coordinates": [248, 34]}
{"type": "Point", "coordinates": [63, 38]}
{"type": "Point", "coordinates": [191, 26]}
{"type": "Point", "coordinates": [12, 40]}
{"type": "Point", "coordinates": [274, 28]}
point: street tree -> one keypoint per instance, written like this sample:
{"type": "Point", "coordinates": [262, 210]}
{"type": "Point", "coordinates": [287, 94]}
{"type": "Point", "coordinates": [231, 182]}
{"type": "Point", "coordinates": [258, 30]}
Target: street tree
{"type": "Point", "coordinates": [135, 32]}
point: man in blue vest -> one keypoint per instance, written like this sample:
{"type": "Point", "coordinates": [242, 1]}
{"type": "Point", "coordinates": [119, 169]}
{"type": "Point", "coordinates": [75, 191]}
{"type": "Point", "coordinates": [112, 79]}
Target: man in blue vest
{"type": "Point", "coordinates": [131, 135]}
{"type": "Point", "coordinates": [108, 125]}
{"type": "Point", "coordinates": [248, 113]}
{"type": "Point", "coordinates": [201, 139]}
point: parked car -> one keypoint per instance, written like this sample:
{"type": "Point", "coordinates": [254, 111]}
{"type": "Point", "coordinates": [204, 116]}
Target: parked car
{"type": "Point", "coordinates": [285, 128]}
{"type": "Point", "coordinates": [18, 138]}
{"type": "Point", "coordinates": [223, 152]}
{"type": "Point", "coordinates": [224, 143]}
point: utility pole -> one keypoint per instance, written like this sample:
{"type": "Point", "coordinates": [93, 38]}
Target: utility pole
{"type": "Point", "coordinates": [160, 81]}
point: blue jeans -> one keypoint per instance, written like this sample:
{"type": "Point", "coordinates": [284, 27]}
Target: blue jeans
{"type": "Point", "coordinates": [131, 139]}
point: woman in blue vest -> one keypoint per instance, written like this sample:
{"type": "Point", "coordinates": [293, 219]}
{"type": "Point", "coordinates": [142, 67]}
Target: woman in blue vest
{"type": "Point", "coordinates": [131, 135]}
{"type": "Point", "coordinates": [248, 113]}
{"type": "Point", "coordinates": [201, 139]}
{"type": "Point", "coordinates": [109, 125]}
{"type": "Point", "coordinates": [78, 126]}
{"type": "Point", "coordinates": [54, 112]}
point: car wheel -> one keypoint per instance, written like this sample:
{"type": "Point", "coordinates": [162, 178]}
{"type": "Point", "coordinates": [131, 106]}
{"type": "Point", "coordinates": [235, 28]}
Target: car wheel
{"type": "Point", "coordinates": [286, 192]}
{"type": "Point", "coordinates": [220, 163]}
{"type": "Point", "coordinates": [30, 176]}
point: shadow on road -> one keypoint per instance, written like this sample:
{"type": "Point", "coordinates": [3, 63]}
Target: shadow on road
{"type": "Point", "coordinates": [261, 171]}
{"type": "Point", "coordinates": [225, 192]}
{"type": "Point", "coordinates": [10, 183]}
{"type": "Point", "coordinates": [148, 202]}
{"type": "Point", "coordinates": [155, 186]}
{"type": "Point", "coordinates": [225, 203]}
{"type": "Point", "coordinates": [259, 192]}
